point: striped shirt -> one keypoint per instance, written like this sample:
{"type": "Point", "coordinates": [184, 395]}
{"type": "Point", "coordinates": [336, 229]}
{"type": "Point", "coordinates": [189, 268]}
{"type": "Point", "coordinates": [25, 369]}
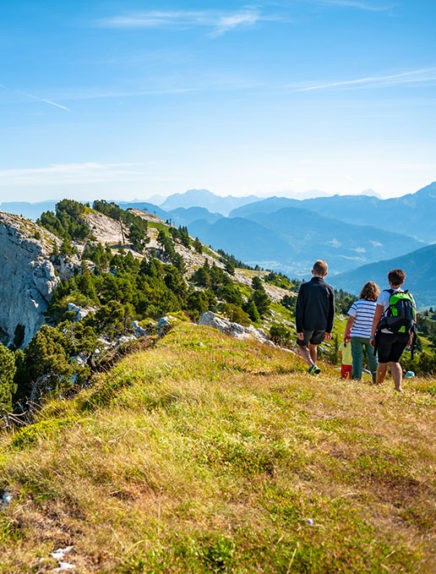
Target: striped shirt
{"type": "Point", "coordinates": [363, 313]}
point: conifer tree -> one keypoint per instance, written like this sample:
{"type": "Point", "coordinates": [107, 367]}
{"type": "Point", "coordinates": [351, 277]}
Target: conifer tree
{"type": "Point", "coordinates": [7, 384]}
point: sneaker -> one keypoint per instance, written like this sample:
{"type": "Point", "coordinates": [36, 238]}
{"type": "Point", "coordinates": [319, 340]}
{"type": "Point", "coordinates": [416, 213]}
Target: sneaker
{"type": "Point", "coordinates": [314, 370]}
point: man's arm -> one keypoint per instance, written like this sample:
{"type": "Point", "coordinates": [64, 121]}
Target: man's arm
{"type": "Point", "coordinates": [331, 313]}
{"type": "Point", "coordinates": [299, 312]}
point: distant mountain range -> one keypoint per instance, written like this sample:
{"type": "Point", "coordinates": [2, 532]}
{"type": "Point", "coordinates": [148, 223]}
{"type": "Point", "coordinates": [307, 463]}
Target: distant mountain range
{"type": "Point", "coordinates": [206, 199]}
{"type": "Point", "coordinates": [287, 235]}
{"type": "Point", "coordinates": [291, 239]}
{"type": "Point", "coordinates": [411, 215]}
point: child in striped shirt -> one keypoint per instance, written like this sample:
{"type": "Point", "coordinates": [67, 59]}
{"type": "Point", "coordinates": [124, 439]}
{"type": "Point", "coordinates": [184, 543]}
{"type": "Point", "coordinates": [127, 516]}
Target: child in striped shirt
{"type": "Point", "coordinates": [358, 330]}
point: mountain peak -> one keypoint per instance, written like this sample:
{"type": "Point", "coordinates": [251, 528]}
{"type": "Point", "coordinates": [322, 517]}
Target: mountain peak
{"type": "Point", "coordinates": [206, 199]}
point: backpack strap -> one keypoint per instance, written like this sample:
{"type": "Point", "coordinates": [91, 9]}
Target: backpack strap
{"type": "Point", "coordinates": [382, 323]}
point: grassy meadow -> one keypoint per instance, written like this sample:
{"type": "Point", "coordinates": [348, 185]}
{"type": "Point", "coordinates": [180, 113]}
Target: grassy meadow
{"type": "Point", "coordinates": [208, 454]}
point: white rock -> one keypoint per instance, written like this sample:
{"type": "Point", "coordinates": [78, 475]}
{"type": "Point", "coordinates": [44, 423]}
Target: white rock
{"type": "Point", "coordinates": [233, 329]}
{"type": "Point", "coordinates": [139, 331]}
{"type": "Point", "coordinates": [27, 276]}
{"type": "Point", "coordinates": [60, 552]}
{"type": "Point", "coordinates": [64, 566]}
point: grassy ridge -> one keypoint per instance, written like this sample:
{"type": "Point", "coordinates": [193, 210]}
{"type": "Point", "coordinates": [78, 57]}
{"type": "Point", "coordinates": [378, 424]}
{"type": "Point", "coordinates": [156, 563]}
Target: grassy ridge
{"type": "Point", "coordinates": [206, 454]}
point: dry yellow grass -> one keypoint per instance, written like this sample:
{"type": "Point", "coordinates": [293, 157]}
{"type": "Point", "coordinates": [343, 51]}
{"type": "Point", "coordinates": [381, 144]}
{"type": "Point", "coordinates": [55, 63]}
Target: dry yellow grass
{"type": "Point", "coordinates": [206, 454]}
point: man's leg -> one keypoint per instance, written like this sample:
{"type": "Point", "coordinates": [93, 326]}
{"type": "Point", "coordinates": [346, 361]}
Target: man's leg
{"type": "Point", "coordinates": [384, 351]}
{"type": "Point", "coordinates": [397, 349]}
{"type": "Point", "coordinates": [313, 350]}
{"type": "Point", "coordinates": [381, 373]}
{"type": "Point", "coordinates": [305, 354]}
{"type": "Point", "coordinates": [397, 375]}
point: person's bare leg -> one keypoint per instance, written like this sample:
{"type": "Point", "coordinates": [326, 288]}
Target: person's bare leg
{"type": "Point", "coordinates": [313, 350]}
{"type": "Point", "coordinates": [397, 375]}
{"type": "Point", "coordinates": [304, 353]}
{"type": "Point", "coordinates": [381, 372]}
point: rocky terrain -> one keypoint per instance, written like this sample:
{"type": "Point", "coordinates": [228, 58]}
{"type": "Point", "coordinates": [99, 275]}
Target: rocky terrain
{"type": "Point", "coordinates": [27, 277]}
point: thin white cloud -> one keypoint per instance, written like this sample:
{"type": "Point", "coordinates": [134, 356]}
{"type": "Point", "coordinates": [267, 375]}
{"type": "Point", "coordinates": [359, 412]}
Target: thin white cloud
{"type": "Point", "coordinates": [154, 19]}
{"type": "Point", "coordinates": [175, 86]}
{"type": "Point", "coordinates": [365, 5]}
{"type": "Point", "coordinates": [74, 173]}
{"type": "Point", "coordinates": [357, 4]}
{"type": "Point", "coordinates": [411, 77]}
{"type": "Point", "coordinates": [227, 23]}
{"type": "Point", "coordinates": [217, 22]}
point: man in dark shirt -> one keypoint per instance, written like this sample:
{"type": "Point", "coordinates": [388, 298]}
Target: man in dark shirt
{"type": "Point", "coordinates": [314, 315]}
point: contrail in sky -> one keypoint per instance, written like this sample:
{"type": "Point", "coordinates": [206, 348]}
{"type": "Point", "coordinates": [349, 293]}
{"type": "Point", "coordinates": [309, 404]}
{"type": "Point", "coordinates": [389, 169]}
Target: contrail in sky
{"type": "Point", "coordinates": [37, 98]}
{"type": "Point", "coordinates": [51, 103]}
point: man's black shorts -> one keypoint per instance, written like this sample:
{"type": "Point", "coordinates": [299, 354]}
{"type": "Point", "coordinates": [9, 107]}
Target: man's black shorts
{"type": "Point", "coordinates": [314, 337]}
{"type": "Point", "coordinates": [390, 347]}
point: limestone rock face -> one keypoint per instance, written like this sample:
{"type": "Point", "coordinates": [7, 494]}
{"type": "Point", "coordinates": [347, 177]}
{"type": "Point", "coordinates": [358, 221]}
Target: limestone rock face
{"type": "Point", "coordinates": [27, 277]}
{"type": "Point", "coordinates": [106, 230]}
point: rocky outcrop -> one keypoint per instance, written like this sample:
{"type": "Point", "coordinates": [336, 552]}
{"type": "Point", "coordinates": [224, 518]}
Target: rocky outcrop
{"type": "Point", "coordinates": [106, 230]}
{"type": "Point", "coordinates": [235, 330]}
{"type": "Point", "coordinates": [27, 277]}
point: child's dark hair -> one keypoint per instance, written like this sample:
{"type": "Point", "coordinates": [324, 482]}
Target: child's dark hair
{"type": "Point", "coordinates": [396, 277]}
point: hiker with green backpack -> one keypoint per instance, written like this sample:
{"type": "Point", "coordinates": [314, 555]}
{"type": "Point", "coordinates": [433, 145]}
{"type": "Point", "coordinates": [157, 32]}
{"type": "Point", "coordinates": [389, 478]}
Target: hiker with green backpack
{"type": "Point", "coordinates": [393, 328]}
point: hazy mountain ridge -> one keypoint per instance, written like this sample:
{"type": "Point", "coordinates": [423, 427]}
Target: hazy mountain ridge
{"type": "Point", "coordinates": [290, 245]}
{"type": "Point", "coordinates": [206, 199]}
{"type": "Point", "coordinates": [412, 214]}
{"type": "Point", "coordinates": [185, 216]}
{"type": "Point", "coordinates": [344, 245]}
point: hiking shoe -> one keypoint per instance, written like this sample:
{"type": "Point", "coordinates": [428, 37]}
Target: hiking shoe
{"type": "Point", "coordinates": [313, 370]}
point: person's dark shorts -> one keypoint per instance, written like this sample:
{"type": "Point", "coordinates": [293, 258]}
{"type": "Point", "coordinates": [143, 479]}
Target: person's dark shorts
{"type": "Point", "coordinates": [314, 337]}
{"type": "Point", "coordinates": [390, 347]}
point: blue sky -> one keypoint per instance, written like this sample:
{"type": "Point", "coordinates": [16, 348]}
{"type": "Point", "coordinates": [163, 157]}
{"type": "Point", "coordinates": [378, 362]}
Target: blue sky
{"type": "Point", "coordinates": [132, 99]}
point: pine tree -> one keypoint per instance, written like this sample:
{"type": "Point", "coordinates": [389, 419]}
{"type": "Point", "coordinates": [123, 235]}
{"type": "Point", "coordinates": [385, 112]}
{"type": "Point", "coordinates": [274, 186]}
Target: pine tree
{"type": "Point", "coordinates": [7, 384]}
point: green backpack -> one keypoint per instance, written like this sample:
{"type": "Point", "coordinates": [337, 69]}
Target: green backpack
{"type": "Point", "coordinates": [400, 316]}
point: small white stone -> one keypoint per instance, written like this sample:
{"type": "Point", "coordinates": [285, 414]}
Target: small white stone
{"type": "Point", "coordinates": [64, 566]}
